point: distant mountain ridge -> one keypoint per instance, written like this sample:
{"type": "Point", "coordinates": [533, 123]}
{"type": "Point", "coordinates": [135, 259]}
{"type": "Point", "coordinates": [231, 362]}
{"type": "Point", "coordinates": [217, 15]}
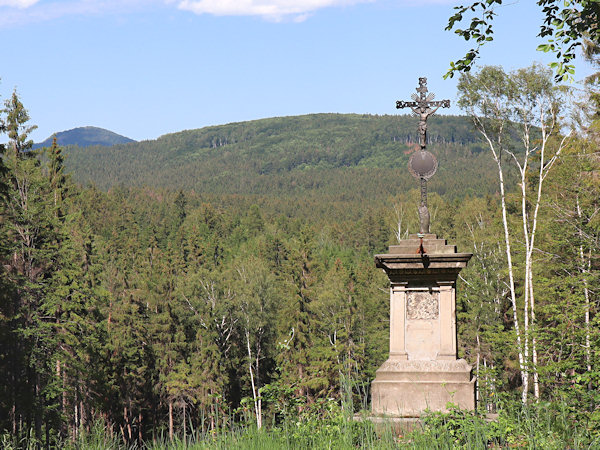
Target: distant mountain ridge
{"type": "Point", "coordinates": [85, 137]}
{"type": "Point", "coordinates": [340, 156]}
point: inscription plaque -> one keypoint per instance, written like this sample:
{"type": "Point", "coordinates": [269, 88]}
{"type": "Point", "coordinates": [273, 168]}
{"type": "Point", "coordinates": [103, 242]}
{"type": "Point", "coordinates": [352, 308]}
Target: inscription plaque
{"type": "Point", "coordinates": [422, 306]}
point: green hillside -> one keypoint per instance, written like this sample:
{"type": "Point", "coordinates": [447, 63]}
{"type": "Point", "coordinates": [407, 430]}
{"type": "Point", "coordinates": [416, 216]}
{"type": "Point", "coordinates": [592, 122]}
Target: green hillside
{"type": "Point", "coordinates": [342, 156]}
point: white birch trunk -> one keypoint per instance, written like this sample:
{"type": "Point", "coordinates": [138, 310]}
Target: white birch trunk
{"type": "Point", "coordinates": [585, 266]}
{"type": "Point", "coordinates": [171, 420]}
{"type": "Point", "coordinates": [526, 290]}
{"type": "Point", "coordinates": [511, 278]}
{"type": "Point", "coordinates": [257, 411]}
{"type": "Point", "coordinates": [477, 397]}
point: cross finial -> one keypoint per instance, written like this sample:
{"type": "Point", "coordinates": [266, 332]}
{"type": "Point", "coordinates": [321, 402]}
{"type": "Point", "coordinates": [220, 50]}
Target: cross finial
{"type": "Point", "coordinates": [422, 89]}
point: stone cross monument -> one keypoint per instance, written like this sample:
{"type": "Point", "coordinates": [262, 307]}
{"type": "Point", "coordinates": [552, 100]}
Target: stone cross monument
{"type": "Point", "coordinates": [422, 371]}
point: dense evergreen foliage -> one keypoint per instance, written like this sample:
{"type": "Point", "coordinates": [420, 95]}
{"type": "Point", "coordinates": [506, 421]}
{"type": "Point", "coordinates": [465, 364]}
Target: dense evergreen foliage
{"type": "Point", "coordinates": [333, 155]}
{"type": "Point", "coordinates": [222, 276]}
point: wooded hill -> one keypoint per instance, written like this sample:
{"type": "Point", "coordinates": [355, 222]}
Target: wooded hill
{"type": "Point", "coordinates": [337, 156]}
{"type": "Point", "coordinates": [85, 137]}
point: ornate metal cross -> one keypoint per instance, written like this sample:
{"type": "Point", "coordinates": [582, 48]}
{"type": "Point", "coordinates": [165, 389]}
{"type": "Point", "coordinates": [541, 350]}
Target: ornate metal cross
{"type": "Point", "coordinates": [422, 164]}
{"type": "Point", "coordinates": [421, 106]}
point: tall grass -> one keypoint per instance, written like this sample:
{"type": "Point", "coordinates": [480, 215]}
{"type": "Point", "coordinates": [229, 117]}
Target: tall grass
{"type": "Point", "coordinates": [332, 424]}
{"type": "Point", "coordinates": [539, 426]}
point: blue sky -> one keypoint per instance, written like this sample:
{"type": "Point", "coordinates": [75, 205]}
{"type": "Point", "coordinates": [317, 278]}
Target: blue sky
{"type": "Point", "coordinates": [143, 68]}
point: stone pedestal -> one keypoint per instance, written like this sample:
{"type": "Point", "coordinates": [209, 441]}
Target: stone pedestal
{"type": "Point", "coordinates": [422, 371]}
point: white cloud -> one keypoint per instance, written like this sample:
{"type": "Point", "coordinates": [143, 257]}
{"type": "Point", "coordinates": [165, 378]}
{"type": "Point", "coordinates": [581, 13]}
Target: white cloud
{"type": "Point", "coordinates": [16, 13]}
{"type": "Point", "coordinates": [271, 9]}
{"type": "Point", "coordinates": [47, 11]}
{"type": "Point", "coordinates": [18, 3]}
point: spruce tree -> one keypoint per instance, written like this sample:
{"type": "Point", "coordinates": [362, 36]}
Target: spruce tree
{"type": "Point", "coordinates": [16, 126]}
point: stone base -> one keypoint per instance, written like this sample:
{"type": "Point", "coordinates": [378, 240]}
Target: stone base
{"type": "Point", "coordinates": [397, 425]}
{"type": "Point", "coordinates": [404, 388]}
{"type": "Point", "coordinates": [401, 425]}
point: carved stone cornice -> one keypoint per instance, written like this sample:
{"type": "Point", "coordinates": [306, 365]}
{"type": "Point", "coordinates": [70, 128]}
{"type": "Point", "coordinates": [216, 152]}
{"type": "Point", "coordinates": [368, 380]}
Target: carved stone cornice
{"type": "Point", "coordinates": [432, 267]}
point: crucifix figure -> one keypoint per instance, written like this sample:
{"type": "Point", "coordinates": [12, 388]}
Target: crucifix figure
{"type": "Point", "coordinates": [422, 164]}
{"type": "Point", "coordinates": [421, 106]}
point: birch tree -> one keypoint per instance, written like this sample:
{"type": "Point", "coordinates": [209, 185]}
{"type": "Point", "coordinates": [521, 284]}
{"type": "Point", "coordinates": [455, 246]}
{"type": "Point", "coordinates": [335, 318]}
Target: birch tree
{"type": "Point", "coordinates": [257, 308]}
{"type": "Point", "coordinates": [485, 98]}
{"type": "Point", "coordinates": [523, 104]}
{"type": "Point", "coordinates": [537, 106]}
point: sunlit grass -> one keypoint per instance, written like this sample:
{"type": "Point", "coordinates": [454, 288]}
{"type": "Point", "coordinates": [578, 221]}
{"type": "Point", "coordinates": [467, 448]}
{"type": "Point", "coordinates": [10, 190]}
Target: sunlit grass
{"type": "Point", "coordinates": [539, 426]}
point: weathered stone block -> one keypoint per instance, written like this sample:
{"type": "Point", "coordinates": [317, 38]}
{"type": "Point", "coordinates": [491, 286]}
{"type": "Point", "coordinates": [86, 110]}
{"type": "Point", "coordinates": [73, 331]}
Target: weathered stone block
{"type": "Point", "coordinates": [408, 388]}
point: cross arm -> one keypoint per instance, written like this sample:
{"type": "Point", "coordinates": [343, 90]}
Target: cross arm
{"type": "Point", "coordinates": [401, 104]}
{"type": "Point", "coordinates": [441, 103]}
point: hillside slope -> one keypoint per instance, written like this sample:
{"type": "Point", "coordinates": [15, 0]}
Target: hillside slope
{"type": "Point", "coordinates": [344, 156]}
{"type": "Point", "coordinates": [85, 137]}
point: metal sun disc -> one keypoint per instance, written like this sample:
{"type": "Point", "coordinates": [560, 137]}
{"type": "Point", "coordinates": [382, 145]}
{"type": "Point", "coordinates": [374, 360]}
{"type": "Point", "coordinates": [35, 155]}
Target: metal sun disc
{"type": "Point", "coordinates": [422, 164]}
